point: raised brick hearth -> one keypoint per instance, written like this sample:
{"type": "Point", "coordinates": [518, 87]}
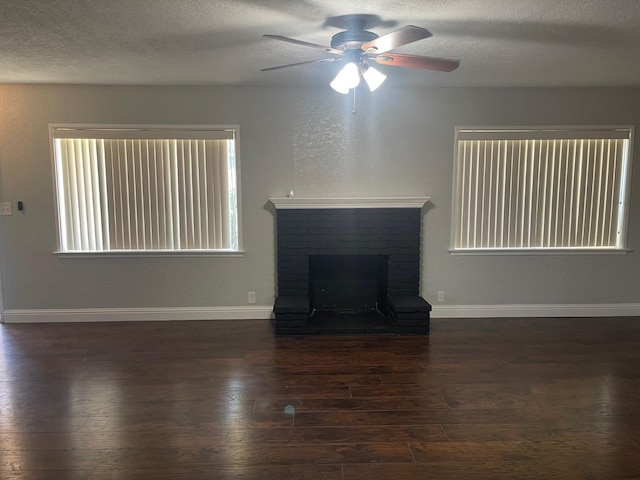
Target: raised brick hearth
{"type": "Point", "coordinates": [309, 231]}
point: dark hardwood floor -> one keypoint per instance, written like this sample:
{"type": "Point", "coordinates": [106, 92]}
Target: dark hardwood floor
{"type": "Point", "coordinates": [478, 399]}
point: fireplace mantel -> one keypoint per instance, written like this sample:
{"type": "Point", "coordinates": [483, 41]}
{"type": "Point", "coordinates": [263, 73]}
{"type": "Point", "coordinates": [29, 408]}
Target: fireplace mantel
{"type": "Point", "coordinates": [296, 203]}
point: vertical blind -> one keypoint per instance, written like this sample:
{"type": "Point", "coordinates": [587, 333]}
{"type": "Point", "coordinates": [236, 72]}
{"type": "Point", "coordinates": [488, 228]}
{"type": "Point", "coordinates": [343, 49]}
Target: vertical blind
{"type": "Point", "coordinates": [145, 193]}
{"type": "Point", "coordinates": [522, 190]}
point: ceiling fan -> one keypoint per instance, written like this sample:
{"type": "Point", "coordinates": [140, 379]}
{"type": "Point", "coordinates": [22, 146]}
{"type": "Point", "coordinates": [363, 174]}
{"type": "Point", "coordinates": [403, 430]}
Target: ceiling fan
{"type": "Point", "coordinates": [359, 48]}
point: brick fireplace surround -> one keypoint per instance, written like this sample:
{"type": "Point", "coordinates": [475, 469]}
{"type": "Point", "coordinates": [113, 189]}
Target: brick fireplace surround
{"type": "Point", "coordinates": [385, 227]}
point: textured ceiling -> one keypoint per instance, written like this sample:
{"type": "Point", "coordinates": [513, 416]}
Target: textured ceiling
{"type": "Point", "coordinates": [207, 42]}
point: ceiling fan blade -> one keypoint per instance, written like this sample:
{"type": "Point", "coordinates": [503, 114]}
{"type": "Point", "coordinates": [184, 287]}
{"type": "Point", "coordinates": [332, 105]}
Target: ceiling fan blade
{"type": "Point", "coordinates": [305, 44]}
{"type": "Point", "coordinates": [300, 63]}
{"type": "Point", "coordinates": [417, 61]}
{"type": "Point", "coordinates": [396, 39]}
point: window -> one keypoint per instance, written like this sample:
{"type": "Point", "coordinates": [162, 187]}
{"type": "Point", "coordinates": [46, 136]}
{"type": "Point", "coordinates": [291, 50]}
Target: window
{"type": "Point", "coordinates": [146, 189]}
{"type": "Point", "coordinates": [541, 189]}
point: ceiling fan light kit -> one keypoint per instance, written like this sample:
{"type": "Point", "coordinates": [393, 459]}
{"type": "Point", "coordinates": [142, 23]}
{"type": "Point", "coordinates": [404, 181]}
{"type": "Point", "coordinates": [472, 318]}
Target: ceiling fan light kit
{"type": "Point", "coordinates": [358, 48]}
{"type": "Point", "coordinates": [374, 78]}
{"type": "Point", "coordinates": [347, 78]}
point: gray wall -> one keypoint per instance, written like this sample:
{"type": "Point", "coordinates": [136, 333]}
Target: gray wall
{"type": "Point", "coordinates": [399, 143]}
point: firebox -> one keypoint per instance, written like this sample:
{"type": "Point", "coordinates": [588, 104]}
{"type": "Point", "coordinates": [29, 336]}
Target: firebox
{"type": "Point", "coordinates": [348, 283]}
{"type": "Point", "coordinates": [349, 256]}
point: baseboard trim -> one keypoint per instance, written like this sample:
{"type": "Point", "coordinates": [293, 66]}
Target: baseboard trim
{"type": "Point", "coordinates": [136, 314]}
{"type": "Point", "coordinates": [264, 312]}
{"type": "Point", "coordinates": [535, 310]}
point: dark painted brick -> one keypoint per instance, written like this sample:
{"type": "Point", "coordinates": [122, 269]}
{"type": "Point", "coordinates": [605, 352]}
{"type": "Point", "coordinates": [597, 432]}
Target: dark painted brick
{"type": "Point", "coordinates": [391, 232]}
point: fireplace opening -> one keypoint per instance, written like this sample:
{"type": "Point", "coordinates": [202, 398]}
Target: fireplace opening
{"type": "Point", "coordinates": [348, 284]}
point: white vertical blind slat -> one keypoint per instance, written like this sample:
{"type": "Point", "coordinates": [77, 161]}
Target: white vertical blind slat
{"type": "Point", "coordinates": [588, 186]}
{"type": "Point", "coordinates": [504, 194]}
{"type": "Point", "coordinates": [174, 182]}
{"type": "Point", "coordinates": [171, 179]}
{"type": "Point", "coordinates": [225, 206]}
{"type": "Point", "coordinates": [72, 188]}
{"type": "Point", "coordinates": [490, 207]}
{"type": "Point", "coordinates": [187, 194]}
{"type": "Point", "coordinates": [557, 228]}
{"type": "Point", "coordinates": [68, 187]}
{"type": "Point", "coordinates": [155, 195]}
{"type": "Point", "coordinates": [606, 221]}
{"type": "Point", "coordinates": [85, 165]}
{"type": "Point", "coordinates": [142, 193]}
{"type": "Point", "coordinates": [81, 193]}
{"type": "Point", "coordinates": [482, 171]}
{"type": "Point", "coordinates": [104, 198]}
{"type": "Point", "coordinates": [614, 189]}
{"type": "Point", "coordinates": [205, 200]}
{"type": "Point", "coordinates": [474, 204]}
{"type": "Point", "coordinates": [150, 196]}
{"type": "Point", "coordinates": [462, 159]}
{"type": "Point", "coordinates": [218, 186]}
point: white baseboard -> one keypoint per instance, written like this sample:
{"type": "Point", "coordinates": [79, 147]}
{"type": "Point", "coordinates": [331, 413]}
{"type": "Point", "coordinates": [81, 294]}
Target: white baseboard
{"type": "Point", "coordinates": [264, 312]}
{"type": "Point", "coordinates": [136, 314]}
{"type": "Point", "coordinates": [535, 310]}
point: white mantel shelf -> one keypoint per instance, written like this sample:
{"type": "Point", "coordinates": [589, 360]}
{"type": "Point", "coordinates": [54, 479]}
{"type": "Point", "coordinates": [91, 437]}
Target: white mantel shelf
{"type": "Point", "coordinates": [291, 203]}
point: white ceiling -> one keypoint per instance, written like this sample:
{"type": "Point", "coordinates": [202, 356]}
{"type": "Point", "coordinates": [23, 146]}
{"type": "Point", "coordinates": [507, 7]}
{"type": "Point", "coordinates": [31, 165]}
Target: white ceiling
{"type": "Point", "coordinates": [210, 42]}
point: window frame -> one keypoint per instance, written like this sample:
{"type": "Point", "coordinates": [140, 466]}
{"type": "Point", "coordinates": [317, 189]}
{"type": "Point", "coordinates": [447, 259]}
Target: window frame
{"type": "Point", "coordinates": [239, 252]}
{"type": "Point", "coordinates": [625, 186]}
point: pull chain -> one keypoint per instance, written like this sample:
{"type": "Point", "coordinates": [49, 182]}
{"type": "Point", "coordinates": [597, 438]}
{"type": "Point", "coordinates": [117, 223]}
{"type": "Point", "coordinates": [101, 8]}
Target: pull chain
{"type": "Point", "coordinates": [354, 101]}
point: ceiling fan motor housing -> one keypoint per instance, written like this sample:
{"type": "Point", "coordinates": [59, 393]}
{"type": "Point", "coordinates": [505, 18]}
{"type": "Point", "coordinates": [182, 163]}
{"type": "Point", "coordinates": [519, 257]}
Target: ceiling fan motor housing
{"type": "Point", "coordinates": [359, 46]}
{"type": "Point", "coordinates": [351, 39]}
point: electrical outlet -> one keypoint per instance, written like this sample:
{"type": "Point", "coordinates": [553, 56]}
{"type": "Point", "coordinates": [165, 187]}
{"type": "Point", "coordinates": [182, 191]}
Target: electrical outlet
{"type": "Point", "coordinates": [5, 208]}
{"type": "Point", "coordinates": [440, 296]}
{"type": "Point", "coordinates": [251, 297]}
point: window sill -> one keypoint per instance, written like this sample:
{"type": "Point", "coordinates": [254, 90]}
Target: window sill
{"type": "Point", "coordinates": [152, 253]}
{"type": "Point", "coordinates": [540, 251]}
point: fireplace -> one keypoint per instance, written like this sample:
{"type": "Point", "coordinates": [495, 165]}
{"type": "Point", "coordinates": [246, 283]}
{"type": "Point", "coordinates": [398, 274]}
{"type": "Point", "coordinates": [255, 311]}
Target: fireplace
{"type": "Point", "coordinates": [349, 266]}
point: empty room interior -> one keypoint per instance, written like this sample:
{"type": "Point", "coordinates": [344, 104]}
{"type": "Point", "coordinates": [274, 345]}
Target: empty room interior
{"type": "Point", "coordinates": [319, 239]}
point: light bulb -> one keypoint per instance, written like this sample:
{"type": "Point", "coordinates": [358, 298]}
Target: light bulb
{"type": "Point", "coordinates": [374, 78]}
{"type": "Point", "coordinates": [338, 87]}
{"type": "Point", "coordinates": [347, 78]}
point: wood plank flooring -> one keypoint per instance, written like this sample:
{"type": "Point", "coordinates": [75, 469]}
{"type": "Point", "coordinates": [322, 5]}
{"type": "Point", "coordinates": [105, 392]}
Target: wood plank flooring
{"type": "Point", "coordinates": [478, 399]}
